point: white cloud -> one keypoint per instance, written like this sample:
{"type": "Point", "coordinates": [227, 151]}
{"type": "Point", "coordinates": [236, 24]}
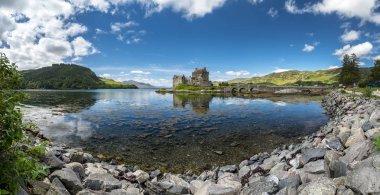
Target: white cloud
{"type": "Point", "coordinates": [105, 75]}
{"type": "Point", "coordinates": [350, 36]}
{"type": "Point", "coordinates": [332, 67]}
{"type": "Point", "coordinates": [308, 48]}
{"type": "Point", "coordinates": [87, 5]}
{"type": "Point", "coordinates": [363, 9]}
{"type": "Point", "coordinates": [82, 47]}
{"type": "Point", "coordinates": [254, 2]}
{"type": "Point", "coordinates": [237, 73]}
{"type": "Point", "coordinates": [278, 70]}
{"type": "Point", "coordinates": [116, 27]}
{"type": "Point", "coordinates": [139, 72]}
{"type": "Point", "coordinates": [376, 57]}
{"type": "Point", "coordinates": [39, 33]}
{"type": "Point", "coordinates": [190, 8]}
{"type": "Point", "coordinates": [361, 50]}
{"type": "Point", "coordinates": [272, 12]}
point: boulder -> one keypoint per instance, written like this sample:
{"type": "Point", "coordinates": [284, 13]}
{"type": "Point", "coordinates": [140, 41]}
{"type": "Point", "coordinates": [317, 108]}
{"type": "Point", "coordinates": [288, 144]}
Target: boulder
{"type": "Point", "coordinates": [375, 118]}
{"type": "Point", "coordinates": [357, 135]}
{"type": "Point", "coordinates": [334, 144]}
{"type": "Point", "coordinates": [372, 134]}
{"type": "Point", "coordinates": [91, 169]}
{"type": "Point", "coordinates": [315, 167]}
{"type": "Point", "coordinates": [195, 185]}
{"type": "Point", "coordinates": [312, 154]}
{"type": "Point", "coordinates": [77, 168]}
{"type": "Point", "coordinates": [210, 188]}
{"type": "Point", "coordinates": [102, 181]}
{"type": "Point", "coordinates": [296, 162]}
{"type": "Point", "coordinates": [357, 152]}
{"type": "Point", "coordinates": [244, 171]}
{"type": "Point", "coordinates": [174, 184]}
{"type": "Point", "coordinates": [228, 168]}
{"type": "Point", "coordinates": [69, 179]}
{"type": "Point", "coordinates": [141, 176]}
{"type": "Point", "coordinates": [52, 161]}
{"type": "Point", "coordinates": [40, 187]}
{"type": "Point", "coordinates": [321, 186]}
{"type": "Point", "coordinates": [229, 180]}
{"type": "Point", "coordinates": [57, 188]}
{"type": "Point", "coordinates": [260, 187]}
{"type": "Point", "coordinates": [364, 177]}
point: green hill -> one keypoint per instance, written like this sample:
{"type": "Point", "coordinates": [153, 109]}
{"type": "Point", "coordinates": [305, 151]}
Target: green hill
{"type": "Point", "coordinates": [67, 76]}
{"type": "Point", "coordinates": [294, 77]}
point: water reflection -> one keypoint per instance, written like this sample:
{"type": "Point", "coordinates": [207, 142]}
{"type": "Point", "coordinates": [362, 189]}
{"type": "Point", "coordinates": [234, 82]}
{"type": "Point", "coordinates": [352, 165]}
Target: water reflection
{"type": "Point", "coordinates": [175, 132]}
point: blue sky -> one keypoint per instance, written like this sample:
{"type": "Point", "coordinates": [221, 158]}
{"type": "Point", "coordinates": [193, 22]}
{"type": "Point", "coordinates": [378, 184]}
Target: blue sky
{"type": "Point", "coordinates": [150, 40]}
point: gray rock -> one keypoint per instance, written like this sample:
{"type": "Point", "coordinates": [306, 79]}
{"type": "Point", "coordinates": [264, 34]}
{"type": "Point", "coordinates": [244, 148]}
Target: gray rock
{"type": "Point", "coordinates": [365, 175]}
{"type": "Point", "coordinates": [69, 178]}
{"type": "Point", "coordinates": [155, 173]}
{"type": "Point", "coordinates": [338, 168]}
{"type": "Point", "coordinates": [321, 186]}
{"type": "Point", "coordinates": [141, 176]}
{"type": "Point", "coordinates": [244, 171]}
{"type": "Point", "coordinates": [211, 188]}
{"type": "Point", "coordinates": [243, 163]}
{"type": "Point", "coordinates": [174, 184]}
{"type": "Point", "coordinates": [77, 168]}
{"type": "Point", "coordinates": [91, 192]}
{"type": "Point", "coordinates": [195, 185]}
{"type": "Point", "coordinates": [102, 181]}
{"type": "Point", "coordinates": [312, 154]}
{"type": "Point", "coordinates": [372, 134]}
{"type": "Point", "coordinates": [375, 118]}
{"type": "Point", "coordinates": [40, 187]}
{"type": "Point", "coordinates": [357, 152]}
{"type": "Point", "coordinates": [290, 181]}
{"type": "Point", "coordinates": [357, 135]}
{"type": "Point", "coordinates": [335, 144]}
{"type": "Point", "coordinates": [315, 167]}
{"type": "Point", "coordinates": [260, 187]}
{"type": "Point", "coordinates": [230, 180]}
{"type": "Point", "coordinates": [88, 158]}
{"type": "Point", "coordinates": [77, 156]}
{"type": "Point", "coordinates": [228, 168]}
{"type": "Point", "coordinates": [52, 161]}
{"type": "Point", "coordinates": [296, 162]}
{"type": "Point", "coordinates": [57, 188]}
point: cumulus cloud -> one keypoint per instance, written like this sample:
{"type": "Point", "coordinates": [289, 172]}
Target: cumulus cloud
{"type": "Point", "coordinates": [308, 48]}
{"type": "Point", "coordinates": [238, 73]}
{"type": "Point", "coordinates": [363, 9]}
{"type": "Point", "coordinates": [40, 33]}
{"type": "Point", "coordinates": [361, 50]}
{"type": "Point", "coordinates": [105, 75]}
{"type": "Point", "coordinates": [349, 36]}
{"type": "Point", "coordinates": [254, 2]}
{"type": "Point", "coordinates": [139, 72]}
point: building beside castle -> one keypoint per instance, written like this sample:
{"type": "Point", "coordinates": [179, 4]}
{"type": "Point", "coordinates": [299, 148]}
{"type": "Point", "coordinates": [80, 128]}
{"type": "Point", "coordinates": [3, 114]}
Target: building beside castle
{"type": "Point", "coordinates": [199, 77]}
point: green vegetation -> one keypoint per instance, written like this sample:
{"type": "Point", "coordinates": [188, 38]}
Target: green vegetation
{"type": "Point", "coordinates": [184, 87]}
{"type": "Point", "coordinates": [294, 77]}
{"type": "Point", "coordinates": [349, 74]}
{"type": "Point", "coordinates": [67, 76]}
{"type": "Point", "coordinates": [377, 142]}
{"type": "Point", "coordinates": [111, 84]}
{"type": "Point", "coordinates": [375, 72]}
{"type": "Point", "coordinates": [19, 161]}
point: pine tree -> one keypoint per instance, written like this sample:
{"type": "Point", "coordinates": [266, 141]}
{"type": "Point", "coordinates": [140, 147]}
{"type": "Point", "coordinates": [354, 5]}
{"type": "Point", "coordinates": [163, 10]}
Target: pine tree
{"type": "Point", "coordinates": [349, 74]}
{"type": "Point", "coordinates": [375, 72]}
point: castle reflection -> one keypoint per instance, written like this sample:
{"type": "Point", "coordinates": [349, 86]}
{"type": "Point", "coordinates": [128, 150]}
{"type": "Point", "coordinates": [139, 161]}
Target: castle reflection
{"type": "Point", "coordinates": [199, 103]}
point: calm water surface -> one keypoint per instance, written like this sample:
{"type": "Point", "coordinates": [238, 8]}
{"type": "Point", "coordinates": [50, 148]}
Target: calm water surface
{"type": "Point", "coordinates": [172, 132]}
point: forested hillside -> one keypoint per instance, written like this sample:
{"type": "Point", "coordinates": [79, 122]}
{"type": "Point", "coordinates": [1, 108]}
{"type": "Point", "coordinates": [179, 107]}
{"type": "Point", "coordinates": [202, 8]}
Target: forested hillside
{"type": "Point", "coordinates": [67, 76]}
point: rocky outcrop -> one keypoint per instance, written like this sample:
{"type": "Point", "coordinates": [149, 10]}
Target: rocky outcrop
{"type": "Point", "coordinates": [338, 159]}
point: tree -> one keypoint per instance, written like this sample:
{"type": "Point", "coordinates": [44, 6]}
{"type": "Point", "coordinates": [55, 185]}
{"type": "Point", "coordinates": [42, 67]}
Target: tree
{"type": "Point", "coordinates": [17, 164]}
{"type": "Point", "coordinates": [349, 74]}
{"type": "Point", "coordinates": [375, 72]}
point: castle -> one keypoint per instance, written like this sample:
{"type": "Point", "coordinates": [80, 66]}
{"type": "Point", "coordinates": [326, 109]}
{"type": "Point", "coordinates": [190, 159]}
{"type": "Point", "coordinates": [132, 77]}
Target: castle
{"type": "Point", "coordinates": [199, 77]}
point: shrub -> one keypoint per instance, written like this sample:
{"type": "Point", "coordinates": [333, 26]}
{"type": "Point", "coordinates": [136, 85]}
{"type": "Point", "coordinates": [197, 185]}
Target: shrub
{"type": "Point", "coordinates": [377, 142]}
{"type": "Point", "coordinates": [367, 92]}
{"type": "Point", "coordinates": [19, 162]}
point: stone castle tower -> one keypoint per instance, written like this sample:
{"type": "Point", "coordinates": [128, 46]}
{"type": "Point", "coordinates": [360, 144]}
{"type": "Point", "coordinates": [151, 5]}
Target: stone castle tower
{"type": "Point", "coordinates": [199, 77]}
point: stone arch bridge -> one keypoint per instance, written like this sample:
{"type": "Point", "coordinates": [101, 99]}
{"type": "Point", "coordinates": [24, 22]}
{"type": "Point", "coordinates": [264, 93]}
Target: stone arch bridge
{"type": "Point", "coordinates": [249, 88]}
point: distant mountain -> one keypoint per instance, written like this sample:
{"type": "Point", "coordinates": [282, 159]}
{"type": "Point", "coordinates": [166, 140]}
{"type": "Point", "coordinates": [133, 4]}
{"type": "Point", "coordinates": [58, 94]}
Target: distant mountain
{"type": "Point", "coordinates": [295, 77]}
{"type": "Point", "coordinates": [67, 76]}
{"type": "Point", "coordinates": [140, 85]}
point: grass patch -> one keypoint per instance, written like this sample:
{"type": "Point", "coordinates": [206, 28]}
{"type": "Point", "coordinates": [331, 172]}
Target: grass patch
{"type": "Point", "coordinates": [377, 142]}
{"type": "Point", "coordinates": [182, 87]}
{"type": "Point", "coordinates": [111, 84]}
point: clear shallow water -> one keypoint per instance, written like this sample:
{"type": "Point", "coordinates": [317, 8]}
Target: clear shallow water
{"type": "Point", "coordinates": [172, 132]}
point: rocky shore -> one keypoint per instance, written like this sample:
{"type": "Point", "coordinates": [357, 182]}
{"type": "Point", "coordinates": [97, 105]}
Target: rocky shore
{"type": "Point", "coordinates": [340, 158]}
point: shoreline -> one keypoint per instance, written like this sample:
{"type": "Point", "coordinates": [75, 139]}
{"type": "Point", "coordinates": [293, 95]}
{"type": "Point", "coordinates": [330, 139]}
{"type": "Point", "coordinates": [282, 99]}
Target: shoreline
{"type": "Point", "coordinates": [326, 160]}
